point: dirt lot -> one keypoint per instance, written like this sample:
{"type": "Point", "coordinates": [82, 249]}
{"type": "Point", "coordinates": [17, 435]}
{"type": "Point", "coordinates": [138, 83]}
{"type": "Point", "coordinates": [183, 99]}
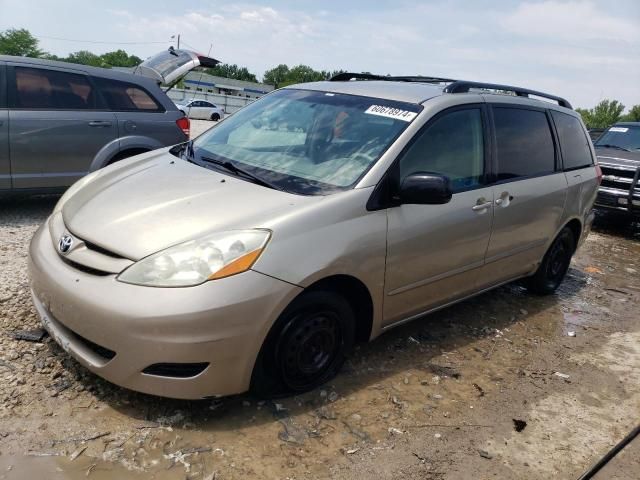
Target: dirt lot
{"type": "Point", "coordinates": [491, 388]}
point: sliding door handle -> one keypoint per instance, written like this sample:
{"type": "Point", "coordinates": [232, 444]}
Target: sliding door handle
{"type": "Point", "coordinates": [481, 206]}
{"type": "Point", "coordinates": [99, 123]}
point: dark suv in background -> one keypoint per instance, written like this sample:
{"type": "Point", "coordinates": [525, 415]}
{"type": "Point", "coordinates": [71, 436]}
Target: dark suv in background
{"type": "Point", "coordinates": [618, 151]}
{"type": "Point", "coordinates": [59, 121]}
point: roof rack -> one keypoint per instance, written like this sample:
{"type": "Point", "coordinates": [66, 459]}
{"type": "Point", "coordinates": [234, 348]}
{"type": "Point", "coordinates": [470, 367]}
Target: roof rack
{"type": "Point", "coordinates": [345, 77]}
{"type": "Point", "coordinates": [462, 86]}
{"type": "Point", "coordinates": [455, 86]}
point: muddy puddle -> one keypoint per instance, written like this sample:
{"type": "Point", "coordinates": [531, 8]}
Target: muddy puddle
{"type": "Point", "coordinates": [431, 398]}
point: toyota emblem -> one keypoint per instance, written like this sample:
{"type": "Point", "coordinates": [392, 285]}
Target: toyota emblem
{"type": "Point", "coordinates": [65, 243]}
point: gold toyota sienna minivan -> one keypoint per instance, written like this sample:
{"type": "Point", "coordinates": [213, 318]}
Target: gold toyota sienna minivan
{"type": "Point", "coordinates": [323, 214]}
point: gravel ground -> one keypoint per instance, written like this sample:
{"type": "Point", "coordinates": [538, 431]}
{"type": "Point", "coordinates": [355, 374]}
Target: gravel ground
{"type": "Point", "coordinates": [470, 392]}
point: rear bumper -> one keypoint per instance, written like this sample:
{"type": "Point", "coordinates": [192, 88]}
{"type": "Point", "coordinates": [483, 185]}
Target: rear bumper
{"type": "Point", "coordinates": [118, 330]}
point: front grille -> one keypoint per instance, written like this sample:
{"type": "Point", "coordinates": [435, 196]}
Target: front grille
{"type": "Point", "coordinates": [618, 178]}
{"type": "Point", "coordinates": [175, 370]}
{"type": "Point", "coordinates": [103, 352]}
{"type": "Point", "coordinates": [607, 200]}
{"type": "Point", "coordinates": [99, 249]}
{"type": "Point", "coordinates": [99, 350]}
{"type": "Point", "coordinates": [84, 268]}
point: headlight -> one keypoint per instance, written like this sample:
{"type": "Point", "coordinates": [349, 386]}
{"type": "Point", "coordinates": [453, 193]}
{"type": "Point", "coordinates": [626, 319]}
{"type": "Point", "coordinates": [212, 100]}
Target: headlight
{"type": "Point", "coordinates": [74, 188]}
{"type": "Point", "coordinates": [194, 262]}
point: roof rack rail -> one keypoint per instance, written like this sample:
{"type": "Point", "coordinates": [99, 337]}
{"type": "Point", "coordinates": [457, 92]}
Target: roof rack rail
{"type": "Point", "coordinates": [462, 86]}
{"type": "Point", "coordinates": [346, 76]}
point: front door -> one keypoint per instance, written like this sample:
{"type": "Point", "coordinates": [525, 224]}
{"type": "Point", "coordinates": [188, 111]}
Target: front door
{"type": "Point", "coordinates": [56, 126]}
{"type": "Point", "coordinates": [198, 110]}
{"type": "Point", "coordinates": [434, 252]}
{"type": "Point", "coordinates": [529, 193]}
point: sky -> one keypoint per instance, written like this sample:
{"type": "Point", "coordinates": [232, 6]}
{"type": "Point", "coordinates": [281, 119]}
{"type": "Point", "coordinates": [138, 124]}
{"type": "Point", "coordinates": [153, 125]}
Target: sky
{"type": "Point", "coordinates": [584, 51]}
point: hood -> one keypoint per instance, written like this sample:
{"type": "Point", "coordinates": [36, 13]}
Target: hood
{"type": "Point", "coordinates": [142, 207]}
{"type": "Point", "coordinates": [618, 157]}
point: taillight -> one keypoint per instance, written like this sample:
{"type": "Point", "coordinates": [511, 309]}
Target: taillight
{"type": "Point", "coordinates": [599, 174]}
{"type": "Point", "coordinates": [185, 125]}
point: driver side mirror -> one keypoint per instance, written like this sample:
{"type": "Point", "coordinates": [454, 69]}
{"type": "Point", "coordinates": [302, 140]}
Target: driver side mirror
{"type": "Point", "coordinates": [423, 188]}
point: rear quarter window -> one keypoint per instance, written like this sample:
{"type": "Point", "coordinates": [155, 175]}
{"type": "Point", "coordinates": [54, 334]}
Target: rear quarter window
{"type": "Point", "coordinates": [574, 143]}
{"type": "Point", "coordinates": [524, 143]}
{"type": "Point", "coordinates": [126, 97]}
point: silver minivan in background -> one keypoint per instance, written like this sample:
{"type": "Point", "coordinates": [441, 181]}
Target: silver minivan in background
{"type": "Point", "coordinates": [323, 214]}
{"type": "Point", "coordinates": [59, 121]}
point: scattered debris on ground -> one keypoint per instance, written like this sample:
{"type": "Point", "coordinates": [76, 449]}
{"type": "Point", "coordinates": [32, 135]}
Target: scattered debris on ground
{"type": "Point", "coordinates": [444, 397]}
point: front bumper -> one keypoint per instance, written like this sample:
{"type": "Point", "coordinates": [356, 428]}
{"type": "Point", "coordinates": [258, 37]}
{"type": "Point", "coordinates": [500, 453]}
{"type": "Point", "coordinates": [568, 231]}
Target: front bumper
{"type": "Point", "coordinates": [118, 330]}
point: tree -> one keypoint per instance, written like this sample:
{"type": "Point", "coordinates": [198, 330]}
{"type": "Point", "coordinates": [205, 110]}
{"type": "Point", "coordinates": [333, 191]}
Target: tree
{"type": "Point", "coordinates": [84, 57]}
{"type": "Point", "coordinates": [120, 58]}
{"type": "Point", "coordinates": [20, 43]}
{"type": "Point", "coordinates": [276, 75]}
{"type": "Point", "coordinates": [633, 115]}
{"type": "Point", "coordinates": [232, 71]}
{"type": "Point", "coordinates": [606, 113]}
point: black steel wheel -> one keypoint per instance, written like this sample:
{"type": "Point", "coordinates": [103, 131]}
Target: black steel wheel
{"type": "Point", "coordinates": [554, 265]}
{"type": "Point", "coordinates": [215, 117]}
{"type": "Point", "coordinates": [306, 346]}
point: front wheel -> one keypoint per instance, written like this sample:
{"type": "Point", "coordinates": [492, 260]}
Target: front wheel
{"type": "Point", "coordinates": [306, 346]}
{"type": "Point", "coordinates": [554, 265]}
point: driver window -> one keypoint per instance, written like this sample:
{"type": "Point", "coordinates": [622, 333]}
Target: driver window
{"type": "Point", "coordinates": [452, 145]}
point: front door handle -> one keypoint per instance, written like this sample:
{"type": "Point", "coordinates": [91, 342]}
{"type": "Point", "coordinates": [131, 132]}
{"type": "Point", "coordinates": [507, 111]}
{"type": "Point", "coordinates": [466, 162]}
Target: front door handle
{"type": "Point", "coordinates": [481, 206]}
{"type": "Point", "coordinates": [99, 123]}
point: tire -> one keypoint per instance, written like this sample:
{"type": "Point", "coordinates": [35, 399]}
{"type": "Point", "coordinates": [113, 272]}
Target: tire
{"type": "Point", "coordinates": [554, 265]}
{"type": "Point", "coordinates": [306, 347]}
{"type": "Point", "coordinates": [215, 117]}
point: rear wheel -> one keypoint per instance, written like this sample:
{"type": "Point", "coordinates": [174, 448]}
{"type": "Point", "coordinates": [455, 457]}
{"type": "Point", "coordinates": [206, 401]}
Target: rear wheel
{"type": "Point", "coordinates": [306, 346]}
{"type": "Point", "coordinates": [215, 116]}
{"type": "Point", "coordinates": [554, 265]}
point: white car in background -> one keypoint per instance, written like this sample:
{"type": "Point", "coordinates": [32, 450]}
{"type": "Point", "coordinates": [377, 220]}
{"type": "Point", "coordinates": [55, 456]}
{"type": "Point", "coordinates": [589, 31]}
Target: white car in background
{"type": "Point", "coordinates": [201, 109]}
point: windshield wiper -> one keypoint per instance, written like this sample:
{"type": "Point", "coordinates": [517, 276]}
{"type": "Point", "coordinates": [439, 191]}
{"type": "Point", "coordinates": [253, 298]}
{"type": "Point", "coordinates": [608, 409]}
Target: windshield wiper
{"type": "Point", "coordinates": [608, 145]}
{"type": "Point", "coordinates": [226, 164]}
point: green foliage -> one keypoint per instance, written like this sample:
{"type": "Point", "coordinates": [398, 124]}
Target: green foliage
{"type": "Point", "coordinates": [232, 71]}
{"type": "Point", "coordinates": [276, 75]}
{"type": "Point", "coordinates": [84, 57]}
{"type": "Point", "coordinates": [282, 75]}
{"type": "Point", "coordinates": [606, 113]}
{"type": "Point", "coordinates": [120, 58]}
{"type": "Point", "coordinates": [633, 115]}
{"type": "Point", "coordinates": [19, 43]}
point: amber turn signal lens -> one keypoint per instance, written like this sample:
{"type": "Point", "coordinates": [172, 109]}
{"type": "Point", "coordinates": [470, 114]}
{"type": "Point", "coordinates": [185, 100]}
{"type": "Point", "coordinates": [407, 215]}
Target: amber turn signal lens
{"type": "Point", "coordinates": [239, 265]}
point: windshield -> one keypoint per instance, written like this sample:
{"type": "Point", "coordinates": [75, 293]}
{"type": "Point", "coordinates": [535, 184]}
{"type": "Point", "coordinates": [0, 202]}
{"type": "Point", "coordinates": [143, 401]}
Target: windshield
{"type": "Point", "coordinates": [626, 137]}
{"type": "Point", "coordinates": [307, 142]}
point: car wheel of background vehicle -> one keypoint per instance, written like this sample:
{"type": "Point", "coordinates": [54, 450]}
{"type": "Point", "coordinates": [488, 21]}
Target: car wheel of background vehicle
{"type": "Point", "coordinates": [215, 117]}
{"type": "Point", "coordinates": [554, 265]}
{"type": "Point", "coordinates": [306, 346]}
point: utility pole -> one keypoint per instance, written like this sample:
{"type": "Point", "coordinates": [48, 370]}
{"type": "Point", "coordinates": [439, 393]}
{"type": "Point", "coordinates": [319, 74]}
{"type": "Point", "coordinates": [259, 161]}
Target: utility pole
{"type": "Point", "coordinates": [178, 42]}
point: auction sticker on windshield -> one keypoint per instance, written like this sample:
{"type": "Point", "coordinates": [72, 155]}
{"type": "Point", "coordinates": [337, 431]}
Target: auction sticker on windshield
{"type": "Point", "coordinates": [391, 112]}
{"type": "Point", "coordinates": [619, 129]}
